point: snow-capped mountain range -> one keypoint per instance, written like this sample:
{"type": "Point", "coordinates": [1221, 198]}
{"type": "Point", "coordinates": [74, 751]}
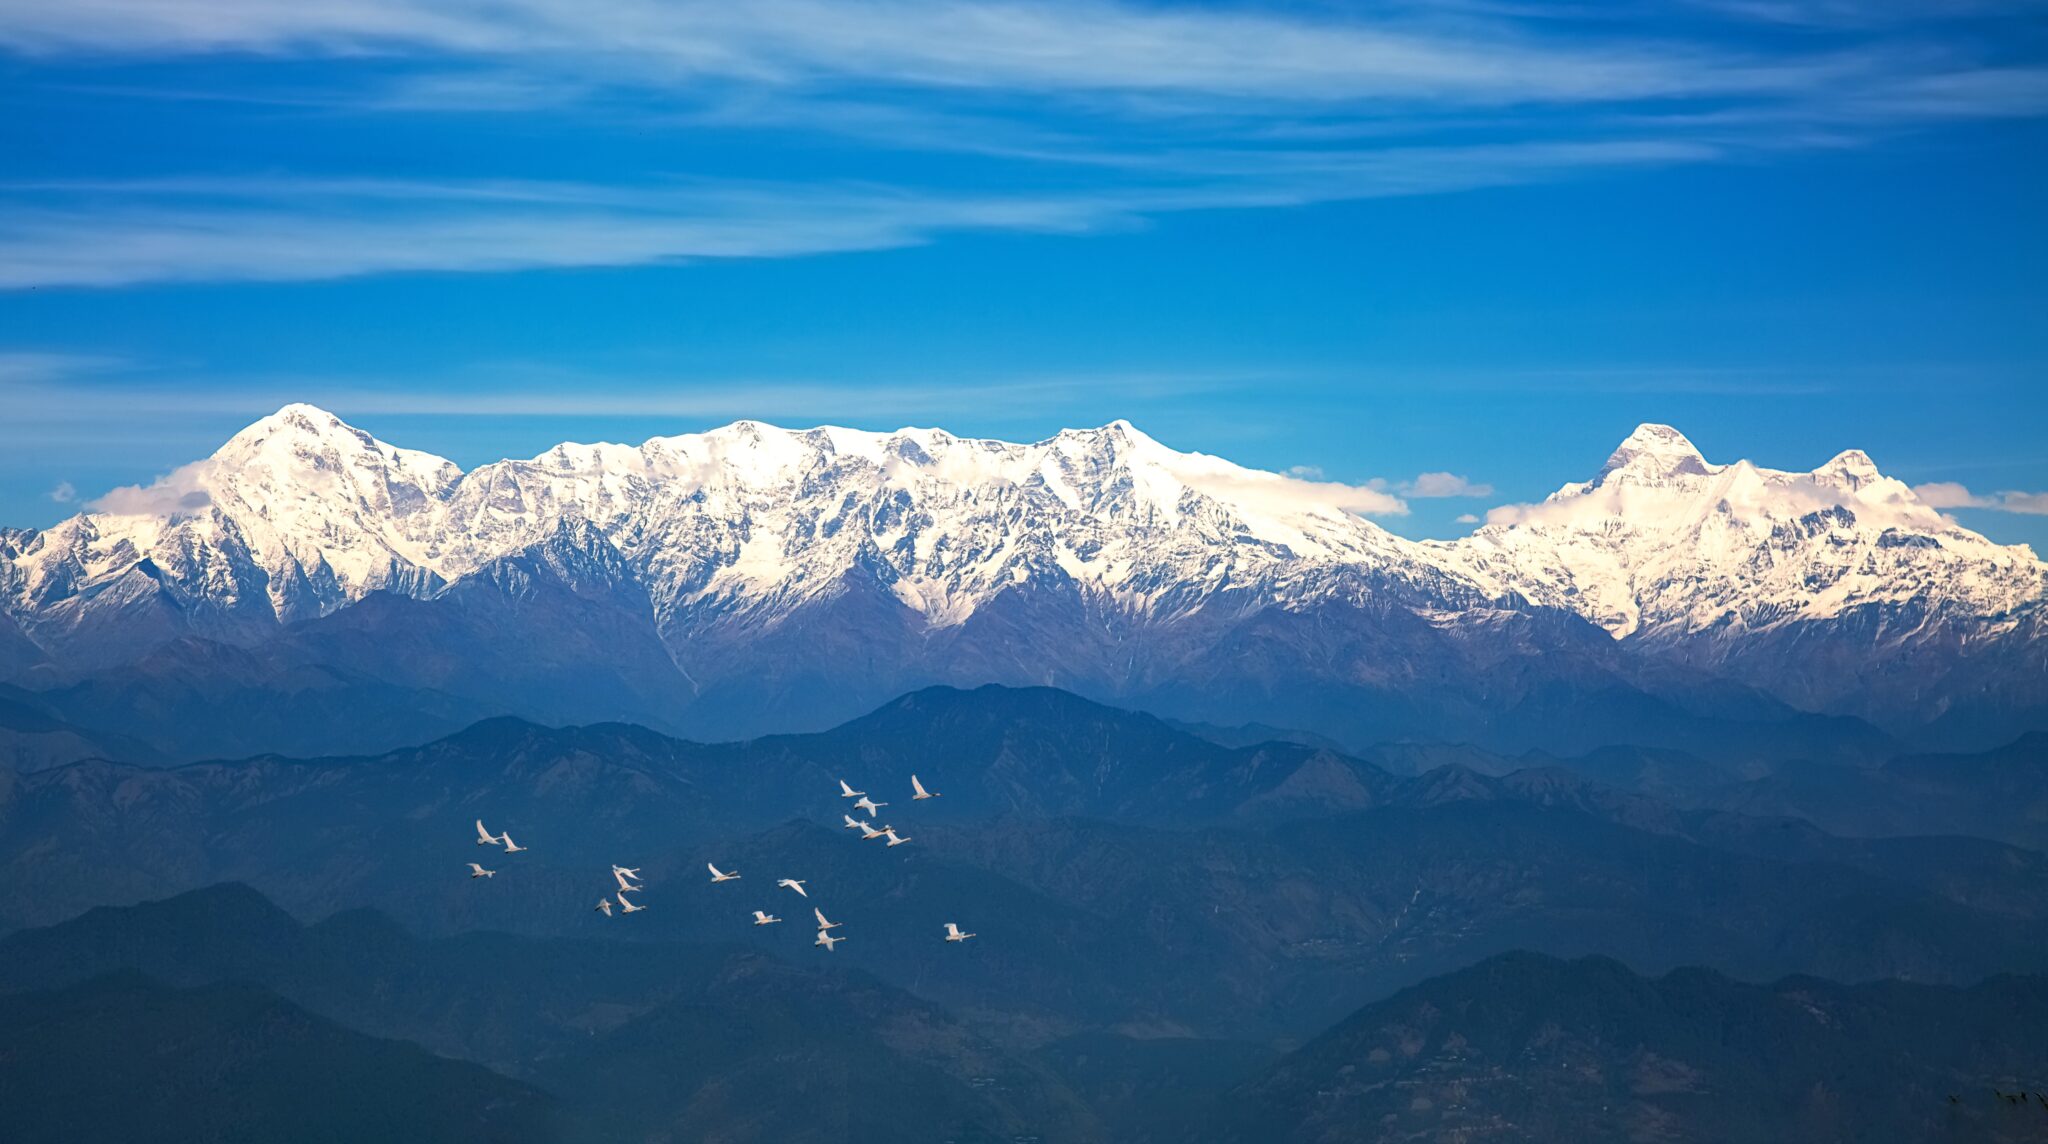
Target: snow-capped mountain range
{"type": "Point", "coordinates": [1107, 558]}
{"type": "Point", "coordinates": [1662, 544]}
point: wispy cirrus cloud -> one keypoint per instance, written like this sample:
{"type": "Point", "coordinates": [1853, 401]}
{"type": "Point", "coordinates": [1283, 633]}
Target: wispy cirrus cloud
{"type": "Point", "coordinates": [1445, 485]}
{"type": "Point", "coordinates": [1132, 60]}
{"type": "Point", "coordinates": [1011, 46]}
{"type": "Point", "coordinates": [113, 233]}
{"type": "Point", "coordinates": [1864, 13]}
{"type": "Point", "coordinates": [106, 397]}
{"type": "Point", "coordinates": [20, 369]}
{"type": "Point", "coordinates": [1110, 111]}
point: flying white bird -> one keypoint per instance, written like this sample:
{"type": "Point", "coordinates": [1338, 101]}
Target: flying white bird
{"type": "Point", "coordinates": [604, 906]}
{"type": "Point", "coordinates": [511, 847]}
{"type": "Point", "coordinates": [476, 871]}
{"type": "Point", "coordinates": [867, 831]}
{"type": "Point", "coordinates": [869, 805]}
{"type": "Point", "coordinates": [484, 837]}
{"type": "Point", "coordinates": [625, 883]}
{"type": "Point", "coordinates": [626, 872]}
{"type": "Point", "coordinates": [793, 884]}
{"type": "Point", "coordinates": [848, 792]}
{"type": "Point", "coordinates": [823, 925]}
{"type": "Point", "coordinates": [718, 875]}
{"type": "Point", "coordinates": [953, 933]}
{"type": "Point", "coordinates": [827, 940]}
{"type": "Point", "coordinates": [893, 839]}
{"type": "Point", "coordinates": [919, 788]}
{"type": "Point", "coordinates": [852, 823]}
{"type": "Point", "coordinates": [628, 906]}
{"type": "Point", "coordinates": [761, 919]}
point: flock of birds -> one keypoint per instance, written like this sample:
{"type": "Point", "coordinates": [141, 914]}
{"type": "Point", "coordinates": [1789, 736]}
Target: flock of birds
{"type": "Point", "coordinates": [2019, 1098]}
{"type": "Point", "coordinates": [629, 881]}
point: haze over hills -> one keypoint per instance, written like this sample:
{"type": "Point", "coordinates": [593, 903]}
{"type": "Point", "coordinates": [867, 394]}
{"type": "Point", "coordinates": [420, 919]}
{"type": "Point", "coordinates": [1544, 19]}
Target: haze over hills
{"type": "Point", "coordinates": [1125, 873]}
{"type": "Point", "coordinates": [121, 1058]}
{"type": "Point", "coordinates": [1532, 1048]}
{"type": "Point", "coordinates": [635, 1039]}
{"type": "Point", "coordinates": [343, 593]}
{"type": "Point", "coordinates": [658, 1039]}
{"type": "Point", "coordinates": [1167, 925]}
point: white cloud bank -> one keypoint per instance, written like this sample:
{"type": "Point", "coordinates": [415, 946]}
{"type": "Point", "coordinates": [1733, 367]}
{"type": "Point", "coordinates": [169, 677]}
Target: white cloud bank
{"type": "Point", "coordinates": [183, 490]}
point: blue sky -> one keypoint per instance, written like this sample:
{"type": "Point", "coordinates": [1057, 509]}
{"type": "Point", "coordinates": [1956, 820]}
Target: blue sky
{"type": "Point", "coordinates": [1463, 237]}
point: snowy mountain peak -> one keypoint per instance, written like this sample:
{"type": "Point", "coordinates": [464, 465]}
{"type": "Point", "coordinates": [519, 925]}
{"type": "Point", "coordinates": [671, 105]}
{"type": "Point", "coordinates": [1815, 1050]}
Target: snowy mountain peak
{"type": "Point", "coordinates": [747, 518]}
{"type": "Point", "coordinates": [1655, 453]}
{"type": "Point", "coordinates": [747, 524]}
{"type": "Point", "coordinates": [297, 418]}
{"type": "Point", "coordinates": [303, 447]}
{"type": "Point", "coordinates": [1665, 543]}
{"type": "Point", "coordinates": [1850, 468]}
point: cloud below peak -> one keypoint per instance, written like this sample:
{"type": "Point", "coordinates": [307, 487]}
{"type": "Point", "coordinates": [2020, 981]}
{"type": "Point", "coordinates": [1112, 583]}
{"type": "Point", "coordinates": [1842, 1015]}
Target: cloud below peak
{"type": "Point", "coordinates": [1952, 494]}
{"type": "Point", "coordinates": [183, 490]}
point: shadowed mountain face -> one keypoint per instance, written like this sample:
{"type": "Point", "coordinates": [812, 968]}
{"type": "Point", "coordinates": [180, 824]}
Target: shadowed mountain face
{"type": "Point", "coordinates": [121, 1058]}
{"type": "Point", "coordinates": [1532, 1048]}
{"type": "Point", "coordinates": [1125, 873]}
{"type": "Point", "coordinates": [518, 638]}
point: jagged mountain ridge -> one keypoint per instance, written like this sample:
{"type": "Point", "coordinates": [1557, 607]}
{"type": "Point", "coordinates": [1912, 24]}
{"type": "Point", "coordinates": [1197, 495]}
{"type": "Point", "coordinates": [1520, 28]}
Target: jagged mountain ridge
{"type": "Point", "coordinates": [772, 563]}
{"type": "Point", "coordinates": [1662, 545]}
{"type": "Point", "coordinates": [300, 514]}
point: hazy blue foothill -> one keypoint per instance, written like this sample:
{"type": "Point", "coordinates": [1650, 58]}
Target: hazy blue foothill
{"type": "Point", "coordinates": [1167, 924]}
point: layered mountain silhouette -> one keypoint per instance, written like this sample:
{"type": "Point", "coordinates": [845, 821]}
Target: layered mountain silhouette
{"type": "Point", "coordinates": [609, 1039]}
{"type": "Point", "coordinates": [1529, 1047]}
{"type": "Point", "coordinates": [1125, 871]}
{"type": "Point", "coordinates": [634, 1039]}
